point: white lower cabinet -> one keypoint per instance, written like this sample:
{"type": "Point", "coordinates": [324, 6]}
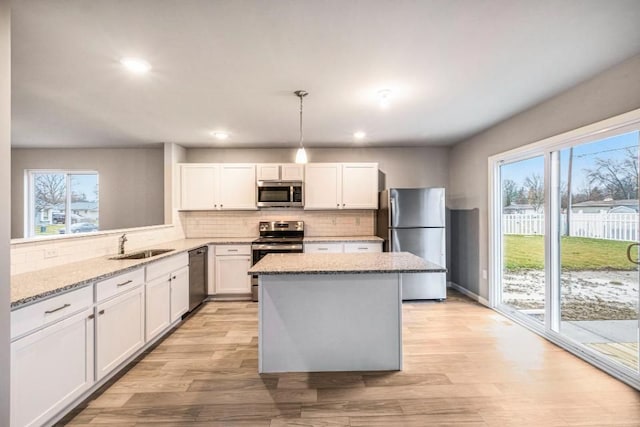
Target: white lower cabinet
{"type": "Point", "coordinates": [167, 293]}
{"type": "Point", "coordinates": [232, 274]}
{"type": "Point", "coordinates": [363, 247]}
{"type": "Point", "coordinates": [119, 329]}
{"type": "Point", "coordinates": [327, 248]}
{"type": "Point", "coordinates": [342, 247]}
{"type": "Point", "coordinates": [179, 293]}
{"type": "Point", "coordinates": [50, 368]}
{"type": "Point", "coordinates": [158, 307]}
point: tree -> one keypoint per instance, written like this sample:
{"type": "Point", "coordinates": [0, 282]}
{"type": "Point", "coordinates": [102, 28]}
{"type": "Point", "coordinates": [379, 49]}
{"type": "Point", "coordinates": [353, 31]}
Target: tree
{"type": "Point", "coordinates": [618, 178]}
{"type": "Point", "coordinates": [509, 192]}
{"type": "Point", "coordinates": [50, 190]}
{"type": "Point", "coordinates": [534, 186]}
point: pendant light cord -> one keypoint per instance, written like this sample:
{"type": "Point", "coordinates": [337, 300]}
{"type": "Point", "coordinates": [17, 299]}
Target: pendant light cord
{"type": "Point", "coordinates": [301, 137]}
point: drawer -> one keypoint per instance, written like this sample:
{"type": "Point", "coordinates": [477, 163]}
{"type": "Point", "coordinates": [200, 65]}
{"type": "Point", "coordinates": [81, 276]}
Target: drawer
{"type": "Point", "coordinates": [42, 313]}
{"type": "Point", "coordinates": [167, 265]}
{"type": "Point", "coordinates": [327, 248]}
{"type": "Point", "coordinates": [233, 250]}
{"type": "Point", "coordinates": [362, 247]}
{"type": "Point", "coordinates": [119, 284]}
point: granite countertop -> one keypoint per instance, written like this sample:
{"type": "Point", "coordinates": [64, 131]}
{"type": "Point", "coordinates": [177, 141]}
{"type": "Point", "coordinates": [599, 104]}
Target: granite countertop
{"type": "Point", "coordinates": [358, 263]}
{"type": "Point", "coordinates": [343, 239]}
{"type": "Point", "coordinates": [28, 288]}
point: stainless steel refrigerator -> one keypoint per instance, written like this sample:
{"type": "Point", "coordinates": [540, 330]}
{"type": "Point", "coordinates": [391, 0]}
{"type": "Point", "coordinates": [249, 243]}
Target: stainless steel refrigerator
{"type": "Point", "coordinates": [413, 220]}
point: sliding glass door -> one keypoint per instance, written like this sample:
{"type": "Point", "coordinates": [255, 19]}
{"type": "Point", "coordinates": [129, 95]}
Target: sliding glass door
{"type": "Point", "coordinates": [565, 233]}
{"type": "Point", "coordinates": [523, 205]}
{"type": "Point", "coordinates": [599, 216]}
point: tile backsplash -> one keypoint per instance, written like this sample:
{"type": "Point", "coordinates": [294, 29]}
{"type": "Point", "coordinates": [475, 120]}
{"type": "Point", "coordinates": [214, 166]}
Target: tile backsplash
{"type": "Point", "coordinates": [245, 223]}
{"type": "Point", "coordinates": [34, 255]}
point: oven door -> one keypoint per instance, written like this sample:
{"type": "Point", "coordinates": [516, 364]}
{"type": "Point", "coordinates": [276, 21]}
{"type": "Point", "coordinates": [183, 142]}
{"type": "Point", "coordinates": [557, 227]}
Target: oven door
{"type": "Point", "coordinates": [260, 251]}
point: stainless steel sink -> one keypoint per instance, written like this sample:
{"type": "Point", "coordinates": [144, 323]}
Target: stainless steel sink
{"type": "Point", "coordinates": [143, 254]}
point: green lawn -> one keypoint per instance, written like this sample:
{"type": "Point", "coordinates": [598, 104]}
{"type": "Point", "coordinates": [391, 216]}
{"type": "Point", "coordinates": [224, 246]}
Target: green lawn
{"type": "Point", "coordinates": [49, 229]}
{"type": "Point", "coordinates": [578, 253]}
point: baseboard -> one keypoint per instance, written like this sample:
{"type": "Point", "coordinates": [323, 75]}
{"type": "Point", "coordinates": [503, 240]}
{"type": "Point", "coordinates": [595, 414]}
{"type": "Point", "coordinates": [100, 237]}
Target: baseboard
{"type": "Point", "coordinates": [468, 293]}
{"type": "Point", "coordinates": [229, 297]}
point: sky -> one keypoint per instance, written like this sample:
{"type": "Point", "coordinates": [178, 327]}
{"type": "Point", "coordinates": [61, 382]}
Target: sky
{"type": "Point", "coordinates": [85, 184]}
{"type": "Point", "coordinates": [584, 156]}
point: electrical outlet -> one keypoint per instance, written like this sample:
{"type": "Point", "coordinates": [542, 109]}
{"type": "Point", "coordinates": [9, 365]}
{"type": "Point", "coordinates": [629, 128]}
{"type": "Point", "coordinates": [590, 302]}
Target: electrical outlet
{"type": "Point", "coordinates": [51, 253]}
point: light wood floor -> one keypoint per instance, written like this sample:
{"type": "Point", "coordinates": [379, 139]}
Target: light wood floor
{"type": "Point", "coordinates": [463, 365]}
{"type": "Point", "coordinates": [624, 352]}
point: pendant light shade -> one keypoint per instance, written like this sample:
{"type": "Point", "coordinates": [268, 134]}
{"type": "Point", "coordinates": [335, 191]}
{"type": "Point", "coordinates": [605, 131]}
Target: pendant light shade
{"type": "Point", "coordinates": [301, 154]}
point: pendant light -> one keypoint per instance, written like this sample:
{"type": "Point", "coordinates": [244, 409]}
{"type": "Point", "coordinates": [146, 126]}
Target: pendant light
{"type": "Point", "coordinates": [301, 154]}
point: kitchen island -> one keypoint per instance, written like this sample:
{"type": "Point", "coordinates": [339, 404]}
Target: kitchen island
{"type": "Point", "coordinates": [332, 312]}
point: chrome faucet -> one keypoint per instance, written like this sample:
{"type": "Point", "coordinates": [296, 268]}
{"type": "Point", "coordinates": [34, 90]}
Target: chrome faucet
{"type": "Point", "coordinates": [121, 241]}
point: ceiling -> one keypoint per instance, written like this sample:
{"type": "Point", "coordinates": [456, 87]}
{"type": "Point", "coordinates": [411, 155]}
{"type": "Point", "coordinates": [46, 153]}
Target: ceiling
{"type": "Point", "coordinates": [455, 67]}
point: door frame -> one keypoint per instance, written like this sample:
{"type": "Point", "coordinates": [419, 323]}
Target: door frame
{"type": "Point", "coordinates": [549, 147]}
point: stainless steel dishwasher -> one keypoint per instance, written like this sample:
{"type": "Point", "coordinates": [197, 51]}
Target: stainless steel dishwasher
{"type": "Point", "coordinates": [197, 276]}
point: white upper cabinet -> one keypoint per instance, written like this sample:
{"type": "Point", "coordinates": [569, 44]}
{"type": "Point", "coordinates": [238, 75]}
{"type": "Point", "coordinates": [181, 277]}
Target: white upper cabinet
{"type": "Point", "coordinates": [199, 186]}
{"type": "Point", "coordinates": [360, 186]}
{"type": "Point", "coordinates": [232, 186]}
{"type": "Point", "coordinates": [292, 172]}
{"type": "Point", "coordinates": [238, 186]}
{"type": "Point", "coordinates": [280, 172]}
{"type": "Point", "coordinates": [217, 186]}
{"type": "Point", "coordinates": [341, 186]}
{"type": "Point", "coordinates": [268, 172]}
{"type": "Point", "coordinates": [323, 186]}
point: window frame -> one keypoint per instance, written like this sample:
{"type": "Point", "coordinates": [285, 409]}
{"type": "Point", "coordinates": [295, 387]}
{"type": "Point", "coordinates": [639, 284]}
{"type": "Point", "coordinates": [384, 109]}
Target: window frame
{"type": "Point", "coordinates": [29, 198]}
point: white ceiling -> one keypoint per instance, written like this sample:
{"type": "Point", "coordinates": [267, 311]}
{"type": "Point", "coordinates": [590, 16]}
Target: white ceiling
{"type": "Point", "coordinates": [455, 67]}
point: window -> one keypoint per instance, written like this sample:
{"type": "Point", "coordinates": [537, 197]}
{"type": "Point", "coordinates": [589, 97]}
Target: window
{"type": "Point", "coordinates": [61, 202]}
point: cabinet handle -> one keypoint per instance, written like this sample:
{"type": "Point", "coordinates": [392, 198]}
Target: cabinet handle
{"type": "Point", "coordinates": [57, 309]}
{"type": "Point", "coordinates": [173, 278]}
{"type": "Point", "coordinates": [323, 249]}
{"type": "Point", "coordinates": [101, 312]}
{"type": "Point", "coordinates": [215, 206]}
{"type": "Point", "coordinates": [232, 250]}
{"type": "Point", "coordinates": [362, 249]}
{"type": "Point", "coordinates": [124, 283]}
{"type": "Point", "coordinates": [221, 205]}
{"type": "Point", "coordinates": [91, 316]}
{"type": "Point", "coordinates": [338, 205]}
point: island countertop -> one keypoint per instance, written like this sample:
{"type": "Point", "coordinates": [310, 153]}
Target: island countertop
{"type": "Point", "coordinates": [352, 263]}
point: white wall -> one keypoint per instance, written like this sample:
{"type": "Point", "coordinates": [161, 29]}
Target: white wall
{"type": "Point", "coordinates": [401, 166]}
{"type": "Point", "coordinates": [613, 92]}
{"type": "Point", "coordinates": [131, 182]}
{"type": "Point", "coordinates": [5, 200]}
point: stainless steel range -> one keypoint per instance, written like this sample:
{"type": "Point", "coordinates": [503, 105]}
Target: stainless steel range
{"type": "Point", "coordinates": [276, 237]}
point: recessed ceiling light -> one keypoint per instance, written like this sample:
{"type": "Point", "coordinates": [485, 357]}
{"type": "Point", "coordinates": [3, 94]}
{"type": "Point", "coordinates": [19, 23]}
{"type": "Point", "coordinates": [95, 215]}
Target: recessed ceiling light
{"type": "Point", "coordinates": [359, 134]}
{"type": "Point", "coordinates": [136, 65]}
{"type": "Point", "coordinates": [383, 98]}
{"type": "Point", "coordinates": [220, 135]}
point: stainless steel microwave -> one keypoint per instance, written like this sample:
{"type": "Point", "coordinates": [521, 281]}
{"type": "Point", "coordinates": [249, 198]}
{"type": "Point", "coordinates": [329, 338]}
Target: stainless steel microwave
{"type": "Point", "coordinates": [280, 194]}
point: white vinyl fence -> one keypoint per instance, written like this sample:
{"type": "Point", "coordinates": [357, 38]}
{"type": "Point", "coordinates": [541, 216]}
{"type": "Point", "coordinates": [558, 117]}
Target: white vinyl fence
{"type": "Point", "coordinates": [614, 226]}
